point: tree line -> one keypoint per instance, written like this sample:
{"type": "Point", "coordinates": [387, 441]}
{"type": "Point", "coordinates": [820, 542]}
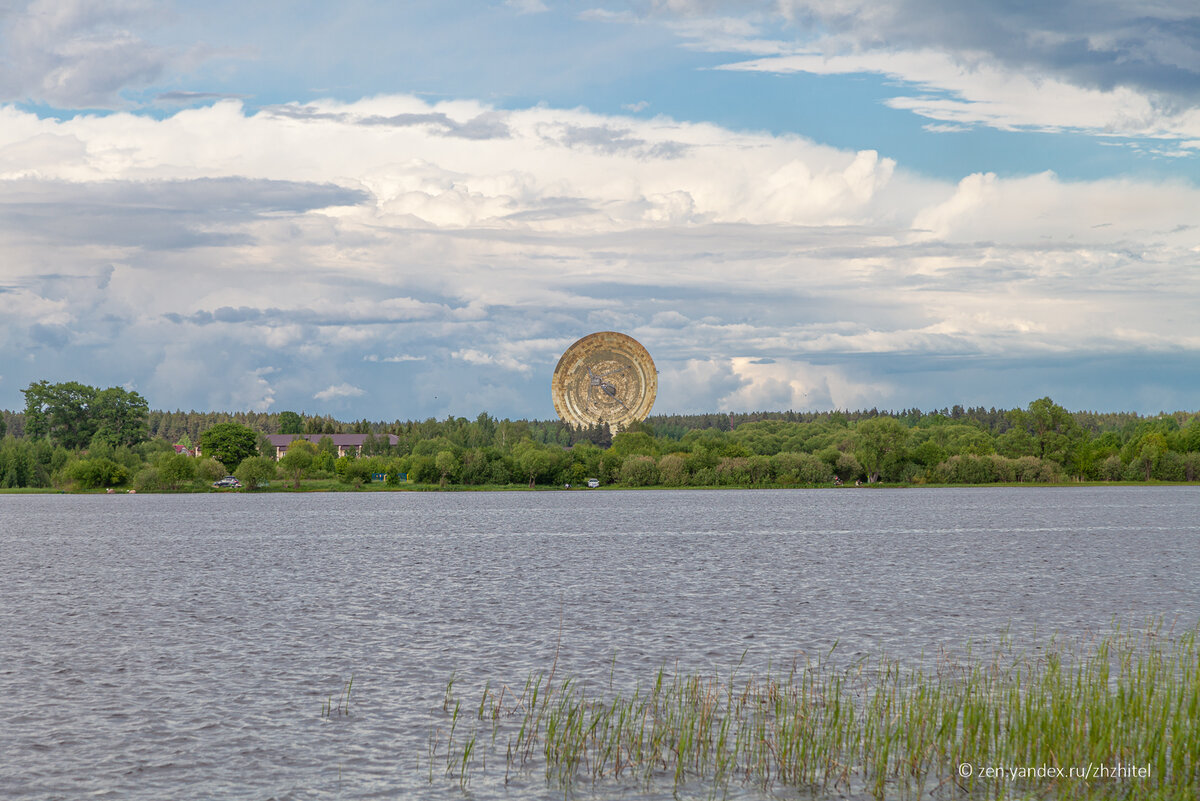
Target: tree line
{"type": "Point", "coordinates": [73, 435]}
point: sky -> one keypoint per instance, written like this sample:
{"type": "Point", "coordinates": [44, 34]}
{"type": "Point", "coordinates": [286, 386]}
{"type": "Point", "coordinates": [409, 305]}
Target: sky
{"type": "Point", "coordinates": [407, 210]}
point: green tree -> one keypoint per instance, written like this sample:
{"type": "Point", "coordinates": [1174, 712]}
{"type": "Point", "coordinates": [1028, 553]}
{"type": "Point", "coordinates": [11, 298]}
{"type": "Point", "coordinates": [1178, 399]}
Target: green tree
{"type": "Point", "coordinates": [18, 464]}
{"type": "Point", "coordinates": [120, 416]}
{"type": "Point", "coordinates": [876, 440]}
{"type": "Point", "coordinates": [534, 463]}
{"type": "Point", "coordinates": [60, 412]}
{"type": "Point", "coordinates": [1053, 428]}
{"type": "Point", "coordinates": [1189, 439]}
{"type": "Point", "coordinates": [447, 464]}
{"type": "Point", "coordinates": [229, 443]}
{"type": "Point", "coordinates": [72, 414]}
{"type": "Point", "coordinates": [299, 457]}
{"type": "Point", "coordinates": [630, 443]}
{"type": "Point", "coordinates": [176, 470]}
{"type": "Point", "coordinates": [1149, 453]}
{"type": "Point", "coordinates": [1015, 443]}
{"type": "Point", "coordinates": [255, 471]}
{"type": "Point", "coordinates": [290, 423]}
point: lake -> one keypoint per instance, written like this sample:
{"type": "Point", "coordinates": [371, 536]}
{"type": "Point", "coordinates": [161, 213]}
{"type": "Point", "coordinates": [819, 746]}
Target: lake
{"type": "Point", "coordinates": [159, 646]}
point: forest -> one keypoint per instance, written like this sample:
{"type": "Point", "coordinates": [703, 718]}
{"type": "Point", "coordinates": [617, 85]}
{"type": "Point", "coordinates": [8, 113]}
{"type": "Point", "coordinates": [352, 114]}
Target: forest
{"type": "Point", "coordinates": [72, 436]}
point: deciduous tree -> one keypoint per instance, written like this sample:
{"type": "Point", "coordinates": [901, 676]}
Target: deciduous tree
{"type": "Point", "coordinates": [290, 423]}
{"type": "Point", "coordinates": [876, 439]}
{"type": "Point", "coordinates": [255, 471]}
{"type": "Point", "coordinates": [60, 412]}
{"type": "Point", "coordinates": [120, 416]}
{"type": "Point", "coordinates": [299, 457]}
{"type": "Point", "coordinates": [71, 414]}
{"type": "Point", "coordinates": [229, 444]}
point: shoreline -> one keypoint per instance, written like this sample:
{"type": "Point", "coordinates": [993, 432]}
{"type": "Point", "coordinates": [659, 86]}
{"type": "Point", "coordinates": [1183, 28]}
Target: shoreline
{"type": "Point", "coordinates": [325, 487]}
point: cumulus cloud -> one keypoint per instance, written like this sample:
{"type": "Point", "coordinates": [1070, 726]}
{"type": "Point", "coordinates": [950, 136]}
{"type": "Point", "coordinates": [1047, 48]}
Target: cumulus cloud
{"type": "Point", "coordinates": [342, 390]}
{"type": "Point", "coordinates": [413, 273]}
{"type": "Point", "coordinates": [772, 384]}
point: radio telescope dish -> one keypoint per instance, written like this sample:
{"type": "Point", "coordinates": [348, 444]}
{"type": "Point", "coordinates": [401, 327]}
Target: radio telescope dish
{"type": "Point", "coordinates": [605, 377]}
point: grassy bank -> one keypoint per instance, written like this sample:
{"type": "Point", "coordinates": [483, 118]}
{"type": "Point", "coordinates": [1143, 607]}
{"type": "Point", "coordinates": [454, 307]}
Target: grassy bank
{"type": "Point", "coordinates": [1112, 717]}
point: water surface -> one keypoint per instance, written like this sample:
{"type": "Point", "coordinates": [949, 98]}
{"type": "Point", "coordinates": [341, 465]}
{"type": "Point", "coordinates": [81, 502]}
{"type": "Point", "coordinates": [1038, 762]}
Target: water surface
{"type": "Point", "coordinates": [182, 646]}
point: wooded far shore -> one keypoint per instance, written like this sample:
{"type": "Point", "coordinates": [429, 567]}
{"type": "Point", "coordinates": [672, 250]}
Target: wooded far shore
{"type": "Point", "coordinates": [74, 437]}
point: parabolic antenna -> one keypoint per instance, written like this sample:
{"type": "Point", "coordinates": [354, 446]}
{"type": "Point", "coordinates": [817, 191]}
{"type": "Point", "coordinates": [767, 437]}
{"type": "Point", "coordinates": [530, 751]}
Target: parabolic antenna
{"type": "Point", "coordinates": [605, 377]}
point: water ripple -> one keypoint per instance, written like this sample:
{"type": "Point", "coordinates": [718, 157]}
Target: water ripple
{"type": "Point", "coordinates": [183, 646]}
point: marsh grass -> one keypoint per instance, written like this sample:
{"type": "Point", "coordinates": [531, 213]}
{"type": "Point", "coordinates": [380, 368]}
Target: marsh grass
{"type": "Point", "coordinates": [1129, 699]}
{"type": "Point", "coordinates": [330, 708]}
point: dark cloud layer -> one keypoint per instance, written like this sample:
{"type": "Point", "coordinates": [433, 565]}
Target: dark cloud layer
{"type": "Point", "coordinates": [1101, 44]}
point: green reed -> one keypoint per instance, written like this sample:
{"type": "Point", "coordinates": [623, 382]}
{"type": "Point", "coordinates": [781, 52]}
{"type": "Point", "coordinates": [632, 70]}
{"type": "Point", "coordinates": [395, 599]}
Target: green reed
{"type": "Point", "coordinates": [342, 707]}
{"type": "Point", "coordinates": [1127, 698]}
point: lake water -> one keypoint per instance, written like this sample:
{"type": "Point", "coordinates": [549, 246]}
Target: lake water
{"type": "Point", "coordinates": [182, 646]}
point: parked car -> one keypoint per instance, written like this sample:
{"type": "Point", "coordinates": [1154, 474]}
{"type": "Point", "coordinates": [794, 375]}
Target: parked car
{"type": "Point", "coordinates": [228, 481]}
{"type": "Point", "coordinates": [593, 482]}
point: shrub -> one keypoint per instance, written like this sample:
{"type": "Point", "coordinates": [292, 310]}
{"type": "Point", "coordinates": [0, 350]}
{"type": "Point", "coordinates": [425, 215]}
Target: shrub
{"type": "Point", "coordinates": [147, 480]}
{"type": "Point", "coordinates": [966, 469]}
{"type": "Point", "coordinates": [733, 471]}
{"type": "Point", "coordinates": [639, 471]}
{"type": "Point", "coordinates": [1171, 466]}
{"type": "Point", "coordinates": [801, 468]}
{"type": "Point", "coordinates": [847, 468]}
{"type": "Point", "coordinates": [1003, 469]}
{"type": "Point", "coordinates": [1191, 467]}
{"type": "Point", "coordinates": [1050, 472]}
{"type": "Point", "coordinates": [358, 471]}
{"type": "Point", "coordinates": [176, 470]}
{"type": "Point", "coordinates": [1029, 468]}
{"type": "Point", "coordinates": [255, 471]}
{"type": "Point", "coordinates": [1111, 469]}
{"type": "Point", "coordinates": [92, 473]}
{"type": "Point", "coordinates": [671, 470]}
{"type": "Point", "coordinates": [18, 464]}
{"type": "Point", "coordinates": [209, 470]}
{"type": "Point", "coordinates": [760, 470]}
{"type": "Point", "coordinates": [500, 471]}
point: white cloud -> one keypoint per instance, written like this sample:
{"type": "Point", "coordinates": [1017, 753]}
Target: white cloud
{"type": "Point", "coordinates": [79, 54]}
{"type": "Point", "coordinates": [961, 92]}
{"type": "Point", "coordinates": [478, 357]}
{"type": "Point", "coordinates": [339, 391]}
{"type": "Point", "coordinates": [1102, 67]}
{"type": "Point", "coordinates": [798, 385]}
{"type": "Point", "coordinates": [330, 239]}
